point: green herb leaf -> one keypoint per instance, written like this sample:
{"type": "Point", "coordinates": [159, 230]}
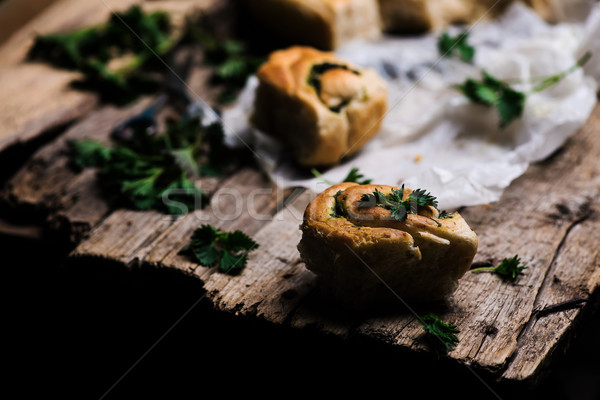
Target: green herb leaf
{"type": "Point", "coordinates": [155, 171]}
{"type": "Point", "coordinates": [423, 198]}
{"type": "Point", "coordinates": [490, 91]}
{"type": "Point", "coordinates": [88, 153]}
{"type": "Point", "coordinates": [227, 250]}
{"type": "Point", "coordinates": [394, 202]}
{"type": "Point", "coordinates": [508, 269]}
{"type": "Point", "coordinates": [90, 50]}
{"type": "Point", "coordinates": [449, 46]}
{"type": "Point", "coordinates": [338, 210]}
{"type": "Point", "coordinates": [355, 176]}
{"type": "Point", "coordinates": [445, 215]}
{"type": "Point", "coordinates": [440, 335]}
{"type": "Point", "coordinates": [233, 63]}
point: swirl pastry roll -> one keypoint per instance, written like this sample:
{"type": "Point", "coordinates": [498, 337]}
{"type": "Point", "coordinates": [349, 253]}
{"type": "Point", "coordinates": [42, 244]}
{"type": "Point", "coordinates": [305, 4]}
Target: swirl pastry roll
{"type": "Point", "coordinates": [322, 107]}
{"type": "Point", "coordinates": [325, 24]}
{"type": "Point", "coordinates": [365, 255]}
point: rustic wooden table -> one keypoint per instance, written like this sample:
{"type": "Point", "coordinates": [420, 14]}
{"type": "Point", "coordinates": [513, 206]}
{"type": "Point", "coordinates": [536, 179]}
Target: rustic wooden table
{"type": "Point", "coordinates": [549, 216]}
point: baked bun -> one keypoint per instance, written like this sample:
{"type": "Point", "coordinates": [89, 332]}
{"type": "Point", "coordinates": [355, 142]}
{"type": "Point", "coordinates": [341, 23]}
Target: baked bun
{"type": "Point", "coordinates": [414, 16]}
{"type": "Point", "coordinates": [322, 107]}
{"type": "Point", "coordinates": [325, 24]}
{"type": "Point", "coordinates": [365, 257]}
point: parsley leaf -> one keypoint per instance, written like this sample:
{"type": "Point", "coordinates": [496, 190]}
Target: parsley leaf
{"type": "Point", "coordinates": [394, 202]}
{"type": "Point", "coordinates": [508, 269]}
{"type": "Point", "coordinates": [448, 46]}
{"type": "Point", "coordinates": [440, 335]}
{"type": "Point", "coordinates": [91, 51]}
{"type": "Point", "coordinates": [156, 171]}
{"type": "Point", "coordinates": [227, 250]}
{"type": "Point", "coordinates": [490, 91]}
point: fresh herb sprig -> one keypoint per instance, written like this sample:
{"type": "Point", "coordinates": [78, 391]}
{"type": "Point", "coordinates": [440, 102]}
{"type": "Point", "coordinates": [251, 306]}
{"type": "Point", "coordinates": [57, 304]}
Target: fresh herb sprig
{"type": "Point", "coordinates": [357, 177]}
{"type": "Point", "coordinates": [510, 103]}
{"type": "Point", "coordinates": [115, 63]}
{"type": "Point", "coordinates": [227, 250]}
{"type": "Point", "coordinates": [450, 46]}
{"type": "Point", "coordinates": [353, 176]}
{"type": "Point", "coordinates": [440, 335]}
{"type": "Point", "coordinates": [156, 171]}
{"type": "Point", "coordinates": [509, 268]}
{"type": "Point", "coordinates": [492, 92]}
{"type": "Point", "coordinates": [394, 202]}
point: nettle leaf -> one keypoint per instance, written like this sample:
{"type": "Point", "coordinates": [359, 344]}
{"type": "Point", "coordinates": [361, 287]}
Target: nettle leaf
{"type": "Point", "coordinates": [441, 336]}
{"type": "Point", "coordinates": [509, 268]}
{"type": "Point", "coordinates": [423, 198]}
{"type": "Point", "coordinates": [238, 241]}
{"type": "Point", "coordinates": [88, 153]}
{"type": "Point", "coordinates": [394, 202]}
{"type": "Point", "coordinates": [510, 106]}
{"type": "Point", "coordinates": [355, 176]}
{"type": "Point", "coordinates": [227, 250]}
{"type": "Point", "coordinates": [492, 92]}
{"type": "Point", "coordinates": [449, 46]}
{"type": "Point", "coordinates": [154, 171]}
{"type": "Point", "coordinates": [90, 50]}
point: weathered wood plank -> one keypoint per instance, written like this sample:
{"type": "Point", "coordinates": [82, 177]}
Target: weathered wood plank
{"type": "Point", "coordinates": [49, 186]}
{"type": "Point", "coordinates": [574, 273]}
{"type": "Point", "coordinates": [36, 97]}
{"type": "Point", "coordinates": [548, 217]}
{"type": "Point", "coordinates": [16, 13]}
{"type": "Point", "coordinates": [246, 201]}
{"type": "Point", "coordinates": [155, 239]}
{"type": "Point", "coordinates": [275, 280]}
{"type": "Point", "coordinates": [492, 313]}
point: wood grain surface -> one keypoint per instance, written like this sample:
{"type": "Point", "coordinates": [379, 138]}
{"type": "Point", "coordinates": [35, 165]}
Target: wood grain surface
{"type": "Point", "coordinates": [29, 107]}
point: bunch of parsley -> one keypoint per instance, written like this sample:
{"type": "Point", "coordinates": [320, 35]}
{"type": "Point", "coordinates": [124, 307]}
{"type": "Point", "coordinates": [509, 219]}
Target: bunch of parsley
{"type": "Point", "coordinates": [157, 171]}
{"type": "Point", "coordinates": [133, 37]}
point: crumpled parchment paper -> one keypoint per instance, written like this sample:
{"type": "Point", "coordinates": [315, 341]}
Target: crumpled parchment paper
{"type": "Point", "coordinates": [433, 137]}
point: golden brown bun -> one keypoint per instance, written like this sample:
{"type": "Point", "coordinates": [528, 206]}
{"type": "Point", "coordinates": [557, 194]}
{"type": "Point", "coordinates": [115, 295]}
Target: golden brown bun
{"type": "Point", "coordinates": [415, 16]}
{"type": "Point", "coordinates": [365, 258]}
{"type": "Point", "coordinates": [325, 24]}
{"type": "Point", "coordinates": [323, 124]}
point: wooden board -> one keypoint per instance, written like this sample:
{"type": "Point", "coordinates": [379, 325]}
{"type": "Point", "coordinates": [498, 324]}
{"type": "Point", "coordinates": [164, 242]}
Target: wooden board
{"type": "Point", "coordinates": [549, 217]}
{"type": "Point", "coordinates": [29, 109]}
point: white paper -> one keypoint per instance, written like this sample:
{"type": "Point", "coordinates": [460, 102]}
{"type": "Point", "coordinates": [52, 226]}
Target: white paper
{"type": "Point", "coordinates": [432, 136]}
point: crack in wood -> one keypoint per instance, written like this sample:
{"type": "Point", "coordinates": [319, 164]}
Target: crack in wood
{"type": "Point", "coordinates": [562, 306]}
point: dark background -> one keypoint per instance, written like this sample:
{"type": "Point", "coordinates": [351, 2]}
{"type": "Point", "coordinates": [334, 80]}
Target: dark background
{"type": "Point", "coordinates": [74, 332]}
